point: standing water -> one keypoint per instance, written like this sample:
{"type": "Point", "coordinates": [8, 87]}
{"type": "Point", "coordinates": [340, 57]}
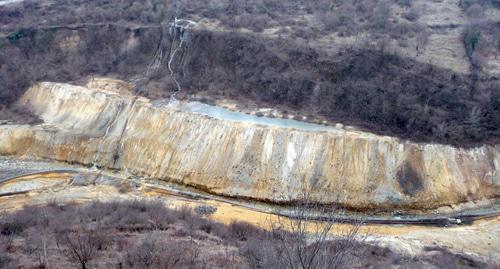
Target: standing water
{"type": "Point", "coordinates": [224, 114]}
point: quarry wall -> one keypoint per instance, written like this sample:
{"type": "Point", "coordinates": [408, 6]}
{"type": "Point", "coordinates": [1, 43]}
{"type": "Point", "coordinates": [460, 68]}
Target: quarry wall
{"type": "Point", "coordinates": [108, 127]}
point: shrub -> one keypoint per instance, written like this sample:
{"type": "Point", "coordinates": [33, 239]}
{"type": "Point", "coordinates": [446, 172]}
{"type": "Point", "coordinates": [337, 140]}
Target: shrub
{"type": "Point", "coordinates": [206, 226]}
{"type": "Point", "coordinates": [15, 224]}
{"type": "Point", "coordinates": [243, 230]}
{"type": "Point", "coordinates": [146, 253]}
{"type": "Point", "coordinates": [261, 253]}
{"type": "Point", "coordinates": [401, 30]}
{"type": "Point", "coordinates": [413, 14]}
{"type": "Point", "coordinates": [153, 251]}
{"type": "Point", "coordinates": [5, 243]}
{"type": "Point", "coordinates": [185, 212]}
{"type": "Point", "coordinates": [12, 227]}
{"type": "Point", "coordinates": [6, 261]}
{"type": "Point", "coordinates": [465, 4]}
{"type": "Point", "coordinates": [404, 3]}
{"type": "Point", "coordinates": [85, 243]}
{"type": "Point", "coordinates": [159, 215]}
{"type": "Point", "coordinates": [205, 210]}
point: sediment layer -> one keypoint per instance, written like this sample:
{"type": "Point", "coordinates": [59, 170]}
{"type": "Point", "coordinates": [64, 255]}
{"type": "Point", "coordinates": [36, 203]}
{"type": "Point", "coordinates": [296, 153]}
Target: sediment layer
{"type": "Point", "coordinates": [103, 125]}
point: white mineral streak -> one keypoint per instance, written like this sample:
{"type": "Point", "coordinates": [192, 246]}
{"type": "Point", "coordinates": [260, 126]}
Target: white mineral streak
{"type": "Point", "coordinates": [96, 125]}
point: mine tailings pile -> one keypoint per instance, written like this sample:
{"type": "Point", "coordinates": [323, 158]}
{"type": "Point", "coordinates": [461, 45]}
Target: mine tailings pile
{"type": "Point", "coordinates": [110, 128]}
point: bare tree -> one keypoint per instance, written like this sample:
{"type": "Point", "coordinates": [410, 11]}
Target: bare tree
{"type": "Point", "coordinates": [38, 242]}
{"type": "Point", "coordinates": [153, 252]}
{"type": "Point", "coordinates": [381, 14]}
{"type": "Point", "coordinates": [81, 245]}
{"type": "Point", "coordinates": [422, 39]}
{"type": "Point", "coordinates": [5, 247]}
{"type": "Point", "coordinates": [308, 237]}
{"type": "Point", "coordinates": [146, 254]}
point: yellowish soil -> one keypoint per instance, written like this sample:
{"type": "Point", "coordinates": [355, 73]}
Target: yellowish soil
{"type": "Point", "coordinates": [45, 177]}
{"type": "Point", "coordinates": [482, 238]}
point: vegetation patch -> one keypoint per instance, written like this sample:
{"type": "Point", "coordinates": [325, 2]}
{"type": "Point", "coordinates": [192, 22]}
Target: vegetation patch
{"type": "Point", "coordinates": [362, 85]}
{"type": "Point", "coordinates": [141, 234]}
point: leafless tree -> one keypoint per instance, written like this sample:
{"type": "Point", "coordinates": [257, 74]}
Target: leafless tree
{"type": "Point", "coordinates": [422, 39]}
{"type": "Point", "coordinates": [154, 251]}
{"type": "Point", "coordinates": [309, 238]}
{"type": "Point", "coordinates": [381, 13]}
{"type": "Point", "coordinates": [38, 243]}
{"type": "Point", "coordinates": [146, 254]}
{"type": "Point", "coordinates": [5, 243]}
{"type": "Point", "coordinates": [80, 245]}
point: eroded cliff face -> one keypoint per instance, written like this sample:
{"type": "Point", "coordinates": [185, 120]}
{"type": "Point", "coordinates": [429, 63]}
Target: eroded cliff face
{"type": "Point", "coordinates": [110, 128]}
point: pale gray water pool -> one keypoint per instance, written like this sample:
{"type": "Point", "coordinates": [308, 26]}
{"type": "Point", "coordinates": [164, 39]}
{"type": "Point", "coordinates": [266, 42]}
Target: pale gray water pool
{"type": "Point", "coordinates": [225, 114]}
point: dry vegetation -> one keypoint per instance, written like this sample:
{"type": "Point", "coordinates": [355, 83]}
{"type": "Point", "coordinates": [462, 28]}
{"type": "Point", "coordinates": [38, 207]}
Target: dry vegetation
{"type": "Point", "coordinates": [147, 235]}
{"type": "Point", "coordinates": [364, 85]}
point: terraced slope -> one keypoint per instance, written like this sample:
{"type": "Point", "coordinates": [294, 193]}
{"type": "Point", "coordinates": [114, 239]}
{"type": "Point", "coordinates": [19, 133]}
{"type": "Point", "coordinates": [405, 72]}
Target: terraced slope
{"type": "Point", "coordinates": [105, 126]}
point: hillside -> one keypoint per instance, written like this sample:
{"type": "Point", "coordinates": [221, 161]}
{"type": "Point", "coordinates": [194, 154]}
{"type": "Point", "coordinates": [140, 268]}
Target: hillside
{"type": "Point", "coordinates": [420, 70]}
{"type": "Point", "coordinates": [318, 134]}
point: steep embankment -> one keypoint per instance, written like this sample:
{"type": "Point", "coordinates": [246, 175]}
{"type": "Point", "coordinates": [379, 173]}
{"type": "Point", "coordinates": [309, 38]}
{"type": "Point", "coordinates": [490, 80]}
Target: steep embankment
{"type": "Point", "coordinates": [99, 126]}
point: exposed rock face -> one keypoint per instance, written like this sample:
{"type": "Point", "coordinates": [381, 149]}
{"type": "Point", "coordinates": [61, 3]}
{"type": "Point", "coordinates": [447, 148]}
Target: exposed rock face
{"type": "Point", "coordinates": [98, 125]}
